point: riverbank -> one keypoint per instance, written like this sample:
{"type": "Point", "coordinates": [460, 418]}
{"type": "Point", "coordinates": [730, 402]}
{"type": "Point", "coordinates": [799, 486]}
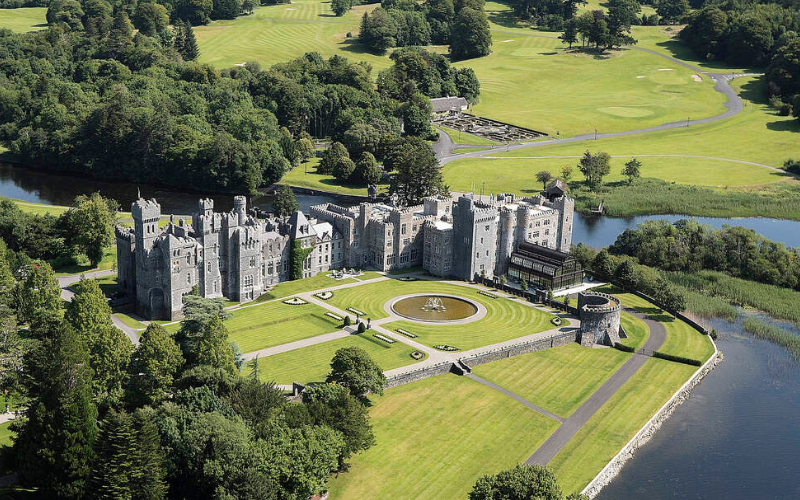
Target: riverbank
{"type": "Point", "coordinates": [614, 467]}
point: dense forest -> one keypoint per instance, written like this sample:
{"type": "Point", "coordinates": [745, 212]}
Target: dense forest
{"type": "Point", "coordinates": [176, 416]}
{"type": "Point", "coordinates": [462, 25]}
{"type": "Point", "coordinates": [690, 247]}
{"type": "Point", "coordinates": [90, 97]}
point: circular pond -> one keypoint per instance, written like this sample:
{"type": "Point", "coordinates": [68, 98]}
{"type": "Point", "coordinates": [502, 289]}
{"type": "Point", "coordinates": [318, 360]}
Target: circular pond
{"type": "Point", "coordinates": [434, 308]}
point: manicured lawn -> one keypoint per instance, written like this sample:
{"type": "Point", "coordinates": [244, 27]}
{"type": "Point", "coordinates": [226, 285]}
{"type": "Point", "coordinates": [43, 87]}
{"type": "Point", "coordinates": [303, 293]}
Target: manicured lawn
{"type": "Point", "coordinates": [535, 82]}
{"type": "Point", "coordinates": [5, 434]}
{"type": "Point", "coordinates": [770, 138]}
{"type": "Point", "coordinates": [682, 339]}
{"type": "Point", "coordinates": [275, 323]}
{"type": "Point", "coordinates": [558, 380]}
{"type": "Point", "coordinates": [505, 318]}
{"type": "Point", "coordinates": [287, 288]}
{"type": "Point", "coordinates": [309, 178]}
{"type": "Point", "coordinates": [130, 321]}
{"type": "Point", "coordinates": [636, 329]}
{"type": "Point", "coordinates": [435, 437]}
{"type": "Point", "coordinates": [617, 421]}
{"type": "Point", "coordinates": [461, 151]}
{"type": "Point", "coordinates": [312, 364]}
{"type": "Point", "coordinates": [83, 265]}
{"type": "Point", "coordinates": [518, 174]}
{"type": "Point", "coordinates": [22, 20]}
{"type": "Point", "coordinates": [465, 138]}
{"type": "Point", "coordinates": [278, 33]}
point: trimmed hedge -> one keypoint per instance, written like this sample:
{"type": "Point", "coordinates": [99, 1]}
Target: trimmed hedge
{"type": "Point", "coordinates": [623, 347]}
{"type": "Point", "coordinates": [678, 359]}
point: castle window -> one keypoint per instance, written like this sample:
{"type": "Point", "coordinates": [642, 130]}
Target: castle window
{"type": "Point", "coordinates": [326, 258]}
{"type": "Point", "coordinates": [547, 222]}
{"type": "Point", "coordinates": [481, 241]}
{"type": "Point", "coordinates": [403, 229]}
{"type": "Point", "coordinates": [546, 232]}
{"type": "Point", "coordinates": [216, 286]}
{"type": "Point", "coordinates": [486, 228]}
{"type": "Point", "coordinates": [536, 234]}
{"type": "Point", "coordinates": [188, 279]}
{"type": "Point", "coordinates": [414, 254]}
{"type": "Point", "coordinates": [189, 259]}
{"type": "Point", "coordinates": [209, 267]}
{"type": "Point", "coordinates": [252, 262]}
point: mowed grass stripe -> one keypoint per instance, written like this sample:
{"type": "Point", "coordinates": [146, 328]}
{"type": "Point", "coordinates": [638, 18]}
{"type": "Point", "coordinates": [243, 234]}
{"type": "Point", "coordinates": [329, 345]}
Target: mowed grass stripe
{"type": "Point", "coordinates": [617, 421]}
{"type": "Point", "coordinates": [312, 364]}
{"type": "Point", "coordinates": [682, 339]}
{"type": "Point", "coordinates": [435, 437]}
{"type": "Point", "coordinates": [558, 380]}
{"type": "Point", "coordinates": [275, 323]}
{"type": "Point", "coordinates": [505, 318]}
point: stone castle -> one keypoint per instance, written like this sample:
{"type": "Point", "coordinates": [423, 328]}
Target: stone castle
{"type": "Point", "coordinates": [237, 256]}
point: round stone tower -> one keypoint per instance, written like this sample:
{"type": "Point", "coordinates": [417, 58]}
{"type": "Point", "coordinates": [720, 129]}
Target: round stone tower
{"type": "Point", "coordinates": [600, 315]}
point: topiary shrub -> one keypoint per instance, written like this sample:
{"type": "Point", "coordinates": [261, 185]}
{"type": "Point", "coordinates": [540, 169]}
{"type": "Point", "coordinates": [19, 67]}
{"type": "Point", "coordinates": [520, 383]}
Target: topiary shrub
{"type": "Point", "coordinates": [347, 321]}
{"type": "Point", "coordinates": [361, 327]}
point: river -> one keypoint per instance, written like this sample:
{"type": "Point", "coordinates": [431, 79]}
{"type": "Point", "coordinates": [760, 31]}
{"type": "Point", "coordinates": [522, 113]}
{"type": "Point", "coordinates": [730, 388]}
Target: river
{"type": "Point", "coordinates": [53, 189]}
{"type": "Point", "coordinates": [736, 437]}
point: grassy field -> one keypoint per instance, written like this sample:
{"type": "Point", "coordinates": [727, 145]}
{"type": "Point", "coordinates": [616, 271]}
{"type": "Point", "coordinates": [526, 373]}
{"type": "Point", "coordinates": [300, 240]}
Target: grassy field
{"type": "Point", "coordinates": [288, 288]}
{"type": "Point", "coordinates": [682, 339]}
{"type": "Point", "coordinates": [636, 329]}
{"type": "Point", "coordinates": [278, 33]}
{"type": "Point", "coordinates": [23, 20]}
{"type": "Point", "coordinates": [518, 174]}
{"type": "Point", "coordinates": [130, 321]}
{"type": "Point", "coordinates": [312, 364]}
{"type": "Point", "coordinates": [83, 266]}
{"type": "Point", "coordinates": [5, 434]}
{"type": "Point", "coordinates": [306, 176]}
{"type": "Point", "coordinates": [558, 380]}
{"type": "Point", "coordinates": [435, 437]}
{"type": "Point", "coordinates": [464, 138]}
{"type": "Point", "coordinates": [534, 82]}
{"type": "Point", "coordinates": [505, 318]}
{"type": "Point", "coordinates": [275, 323]}
{"type": "Point", "coordinates": [617, 421]}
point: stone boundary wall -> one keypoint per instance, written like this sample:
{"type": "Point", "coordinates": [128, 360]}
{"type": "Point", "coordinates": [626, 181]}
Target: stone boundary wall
{"type": "Point", "coordinates": [649, 429]}
{"type": "Point", "coordinates": [557, 340]}
{"type": "Point", "coordinates": [419, 374]}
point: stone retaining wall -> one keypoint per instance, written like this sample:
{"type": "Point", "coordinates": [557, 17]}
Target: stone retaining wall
{"type": "Point", "coordinates": [559, 339]}
{"type": "Point", "coordinates": [419, 374]}
{"type": "Point", "coordinates": [649, 429]}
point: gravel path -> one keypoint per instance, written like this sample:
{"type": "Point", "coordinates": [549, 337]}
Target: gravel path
{"type": "Point", "coordinates": [516, 397]}
{"type": "Point", "coordinates": [576, 421]}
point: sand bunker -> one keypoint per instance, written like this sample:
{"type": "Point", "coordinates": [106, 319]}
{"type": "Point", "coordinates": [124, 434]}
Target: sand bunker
{"type": "Point", "coordinates": [240, 64]}
{"type": "Point", "coordinates": [506, 41]}
{"type": "Point", "coordinates": [641, 76]}
{"type": "Point", "coordinates": [697, 78]}
{"type": "Point", "coordinates": [666, 69]}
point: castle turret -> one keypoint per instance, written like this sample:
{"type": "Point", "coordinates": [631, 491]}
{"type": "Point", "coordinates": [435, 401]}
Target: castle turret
{"type": "Point", "coordinates": [240, 208]}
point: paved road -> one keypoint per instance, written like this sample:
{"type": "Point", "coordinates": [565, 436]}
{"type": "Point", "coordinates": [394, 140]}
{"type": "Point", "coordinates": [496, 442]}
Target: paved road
{"type": "Point", "coordinates": [576, 421]}
{"type": "Point", "coordinates": [66, 281]}
{"type": "Point", "coordinates": [734, 104]}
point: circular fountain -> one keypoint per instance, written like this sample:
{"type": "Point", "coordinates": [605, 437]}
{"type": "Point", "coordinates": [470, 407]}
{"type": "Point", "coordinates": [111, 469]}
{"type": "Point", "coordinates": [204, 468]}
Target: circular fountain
{"type": "Point", "coordinates": [434, 308]}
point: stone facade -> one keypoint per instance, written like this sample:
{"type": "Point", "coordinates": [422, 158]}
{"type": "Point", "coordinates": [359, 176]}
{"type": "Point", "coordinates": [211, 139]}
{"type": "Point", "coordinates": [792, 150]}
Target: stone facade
{"type": "Point", "coordinates": [600, 317]}
{"type": "Point", "coordinates": [463, 238]}
{"type": "Point", "coordinates": [231, 255]}
{"type": "Point", "coordinates": [237, 256]}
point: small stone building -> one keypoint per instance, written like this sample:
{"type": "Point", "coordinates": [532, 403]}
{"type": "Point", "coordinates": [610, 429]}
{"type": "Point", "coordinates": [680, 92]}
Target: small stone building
{"type": "Point", "coordinates": [600, 318]}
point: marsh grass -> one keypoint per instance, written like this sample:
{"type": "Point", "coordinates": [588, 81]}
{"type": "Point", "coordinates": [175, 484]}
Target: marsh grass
{"type": "Point", "coordinates": [773, 334]}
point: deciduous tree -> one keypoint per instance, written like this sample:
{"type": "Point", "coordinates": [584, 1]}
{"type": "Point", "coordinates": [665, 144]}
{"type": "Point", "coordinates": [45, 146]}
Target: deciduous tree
{"type": "Point", "coordinates": [632, 170]}
{"type": "Point", "coordinates": [352, 367]}
{"type": "Point", "coordinates": [284, 203]}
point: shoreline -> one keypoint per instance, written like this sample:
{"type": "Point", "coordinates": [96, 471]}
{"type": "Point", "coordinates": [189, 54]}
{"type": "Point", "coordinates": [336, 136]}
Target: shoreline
{"type": "Point", "coordinates": [648, 430]}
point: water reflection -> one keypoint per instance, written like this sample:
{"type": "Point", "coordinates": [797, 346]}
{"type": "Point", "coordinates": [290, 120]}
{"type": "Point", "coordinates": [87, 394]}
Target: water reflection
{"type": "Point", "coordinates": [736, 437]}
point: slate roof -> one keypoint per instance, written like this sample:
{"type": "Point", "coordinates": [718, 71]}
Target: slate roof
{"type": "Point", "coordinates": [444, 104]}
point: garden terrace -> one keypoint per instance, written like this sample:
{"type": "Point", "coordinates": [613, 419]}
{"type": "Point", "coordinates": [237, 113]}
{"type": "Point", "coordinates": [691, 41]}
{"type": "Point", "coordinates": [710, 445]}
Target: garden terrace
{"type": "Point", "coordinates": [487, 128]}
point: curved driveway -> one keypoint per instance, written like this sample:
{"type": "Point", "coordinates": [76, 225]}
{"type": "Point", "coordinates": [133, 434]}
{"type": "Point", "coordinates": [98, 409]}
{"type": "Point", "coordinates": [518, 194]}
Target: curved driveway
{"type": "Point", "coordinates": [562, 435]}
{"type": "Point", "coordinates": [734, 104]}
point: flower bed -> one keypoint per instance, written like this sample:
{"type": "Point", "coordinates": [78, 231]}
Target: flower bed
{"type": "Point", "coordinates": [556, 321]}
{"type": "Point", "coordinates": [406, 333]}
{"type": "Point", "coordinates": [445, 347]}
{"type": "Point", "coordinates": [384, 338]}
{"type": "Point", "coordinates": [417, 355]}
{"type": "Point", "coordinates": [356, 311]}
{"type": "Point", "coordinates": [295, 301]}
{"type": "Point", "coordinates": [334, 316]}
{"type": "Point", "coordinates": [487, 294]}
{"type": "Point", "coordinates": [323, 295]}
